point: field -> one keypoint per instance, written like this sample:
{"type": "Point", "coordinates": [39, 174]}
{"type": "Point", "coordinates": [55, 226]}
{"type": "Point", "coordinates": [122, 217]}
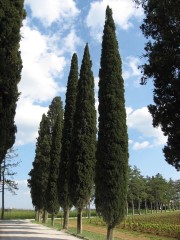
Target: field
{"type": "Point", "coordinates": [160, 226]}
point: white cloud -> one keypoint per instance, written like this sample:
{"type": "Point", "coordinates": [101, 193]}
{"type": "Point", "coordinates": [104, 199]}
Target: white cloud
{"type": "Point", "coordinates": [123, 12]}
{"type": "Point", "coordinates": [49, 11]}
{"type": "Point", "coordinates": [28, 117]}
{"type": "Point", "coordinates": [44, 57]}
{"type": "Point", "coordinates": [131, 64]}
{"type": "Point", "coordinates": [96, 84]}
{"type": "Point", "coordinates": [130, 141]}
{"type": "Point", "coordinates": [141, 120]}
{"type": "Point", "coordinates": [142, 145]}
{"type": "Point", "coordinates": [71, 41]}
{"type": "Point", "coordinates": [40, 66]}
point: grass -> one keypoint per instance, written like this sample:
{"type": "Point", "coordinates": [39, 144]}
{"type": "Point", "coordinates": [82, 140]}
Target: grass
{"type": "Point", "coordinates": [19, 214]}
{"type": "Point", "coordinates": [30, 214]}
{"type": "Point", "coordinates": [87, 234]}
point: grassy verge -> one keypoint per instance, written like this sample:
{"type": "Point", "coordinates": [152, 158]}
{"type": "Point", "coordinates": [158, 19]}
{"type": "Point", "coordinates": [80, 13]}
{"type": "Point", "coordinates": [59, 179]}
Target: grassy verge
{"type": "Point", "coordinates": [97, 232]}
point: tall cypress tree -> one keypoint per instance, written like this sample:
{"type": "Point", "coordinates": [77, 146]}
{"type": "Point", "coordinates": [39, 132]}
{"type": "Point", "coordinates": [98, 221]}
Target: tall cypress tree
{"type": "Point", "coordinates": [52, 201]}
{"type": "Point", "coordinates": [63, 182]}
{"type": "Point", "coordinates": [112, 146]}
{"type": "Point", "coordinates": [84, 139]}
{"type": "Point", "coordinates": [11, 15]}
{"type": "Point", "coordinates": [39, 173]}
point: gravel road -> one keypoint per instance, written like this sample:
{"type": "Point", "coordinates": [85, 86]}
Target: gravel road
{"type": "Point", "coordinates": [25, 230]}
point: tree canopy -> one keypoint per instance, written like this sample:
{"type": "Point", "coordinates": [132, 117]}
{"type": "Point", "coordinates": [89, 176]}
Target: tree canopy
{"type": "Point", "coordinates": [112, 145]}
{"type": "Point", "coordinates": [12, 14]}
{"type": "Point", "coordinates": [64, 168]}
{"type": "Point", "coordinates": [84, 138]}
{"type": "Point", "coordinates": [39, 174]}
{"type": "Point", "coordinates": [161, 26]}
{"type": "Point", "coordinates": [52, 200]}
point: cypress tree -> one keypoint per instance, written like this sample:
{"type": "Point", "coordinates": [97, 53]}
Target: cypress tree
{"type": "Point", "coordinates": [39, 174]}
{"type": "Point", "coordinates": [63, 182]}
{"type": "Point", "coordinates": [55, 111]}
{"type": "Point", "coordinates": [112, 146]}
{"type": "Point", "coordinates": [12, 14]}
{"type": "Point", "coordinates": [52, 201]}
{"type": "Point", "coordinates": [84, 140]}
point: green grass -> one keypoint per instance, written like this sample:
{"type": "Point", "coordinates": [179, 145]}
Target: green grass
{"type": "Point", "coordinates": [19, 214]}
{"type": "Point", "coordinates": [30, 214]}
{"type": "Point", "coordinates": [88, 235]}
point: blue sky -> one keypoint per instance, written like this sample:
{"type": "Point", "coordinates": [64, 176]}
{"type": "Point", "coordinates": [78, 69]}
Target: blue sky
{"type": "Point", "coordinates": [52, 32]}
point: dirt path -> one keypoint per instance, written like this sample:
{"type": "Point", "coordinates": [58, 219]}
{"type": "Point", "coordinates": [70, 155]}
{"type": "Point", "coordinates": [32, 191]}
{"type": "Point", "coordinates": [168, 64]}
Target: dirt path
{"type": "Point", "coordinates": [120, 235]}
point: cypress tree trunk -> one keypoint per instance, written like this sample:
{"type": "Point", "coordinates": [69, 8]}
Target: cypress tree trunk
{"type": "Point", "coordinates": [132, 207]}
{"type": "Point", "coordinates": [52, 219]}
{"type": "Point", "coordinates": [139, 206]}
{"type": "Point", "coordinates": [161, 207]}
{"type": "Point", "coordinates": [127, 208]}
{"type": "Point", "coordinates": [45, 216]}
{"type": "Point", "coordinates": [145, 206]}
{"type": "Point", "coordinates": [66, 219]}
{"type": "Point", "coordinates": [79, 221]}
{"type": "Point", "coordinates": [110, 231]}
{"type": "Point", "coordinates": [151, 208]}
{"type": "Point", "coordinates": [89, 210]}
{"type": "Point", "coordinates": [39, 215]}
{"type": "Point", "coordinates": [36, 215]}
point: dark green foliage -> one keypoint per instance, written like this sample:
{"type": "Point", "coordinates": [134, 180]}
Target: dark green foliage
{"type": "Point", "coordinates": [71, 93]}
{"type": "Point", "coordinates": [162, 27]}
{"type": "Point", "coordinates": [47, 158]}
{"type": "Point", "coordinates": [84, 136]}
{"type": "Point", "coordinates": [112, 146]}
{"type": "Point", "coordinates": [55, 109]}
{"type": "Point", "coordinates": [52, 201]}
{"type": "Point", "coordinates": [11, 16]}
{"type": "Point", "coordinates": [40, 172]}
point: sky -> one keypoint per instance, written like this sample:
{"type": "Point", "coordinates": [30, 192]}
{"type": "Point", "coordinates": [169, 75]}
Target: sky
{"type": "Point", "coordinates": [52, 31]}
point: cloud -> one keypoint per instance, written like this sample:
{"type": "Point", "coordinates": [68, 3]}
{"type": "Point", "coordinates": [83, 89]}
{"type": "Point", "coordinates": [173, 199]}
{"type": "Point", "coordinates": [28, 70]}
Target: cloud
{"type": "Point", "coordinates": [41, 65]}
{"type": "Point", "coordinates": [50, 11]}
{"type": "Point", "coordinates": [44, 62]}
{"type": "Point", "coordinates": [71, 41]}
{"type": "Point", "coordinates": [130, 65]}
{"type": "Point", "coordinates": [28, 117]}
{"type": "Point", "coordinates": [123, 13]}
{"type": "Point", "coordinates": [141, 121]}
{"type": "Point", "coordinates": [142, 145]}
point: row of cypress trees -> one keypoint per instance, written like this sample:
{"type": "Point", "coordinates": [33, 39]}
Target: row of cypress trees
{"type": "Point", "coordinates": [68, 158]}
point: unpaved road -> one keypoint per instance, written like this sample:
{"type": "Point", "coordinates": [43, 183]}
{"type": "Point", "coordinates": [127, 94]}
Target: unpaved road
{"type": "Point", "coordinates": [25, 230]}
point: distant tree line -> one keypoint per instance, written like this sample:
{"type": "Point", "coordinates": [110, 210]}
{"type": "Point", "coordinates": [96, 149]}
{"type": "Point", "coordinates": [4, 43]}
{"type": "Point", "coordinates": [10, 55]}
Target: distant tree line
{"type": "Point", "coordinates": [151, 194]}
